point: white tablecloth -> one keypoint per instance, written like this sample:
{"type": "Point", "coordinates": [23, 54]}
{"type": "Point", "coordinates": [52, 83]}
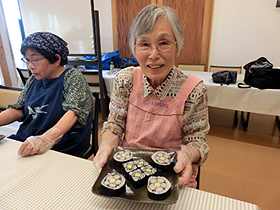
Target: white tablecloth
{"type": "Point", "coordinates": [243, 99]}
{"type": "Point", "coordinates": [55, 180]}
{"type": "Point", "coordinates": [230, 96]}
{"type": "Point", "coordinates": [109, 79]}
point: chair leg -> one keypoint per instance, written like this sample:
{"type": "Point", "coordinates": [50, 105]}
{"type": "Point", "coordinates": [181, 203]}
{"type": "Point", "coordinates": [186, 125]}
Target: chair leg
{"type": "Point", "coordinates": [197, 178]}
{"type": "Point", "coordinates": [235, 118]}
{"type": "Point", "coordinates": [245, 122]}
{"type": "Point", "coordinates": [277, 120]}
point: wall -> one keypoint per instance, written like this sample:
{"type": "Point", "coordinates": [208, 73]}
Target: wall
{"type": "Point", "coordinates": [77, 31]}
{"type": "Point", "coordinates": [242, 31]}
{"type": "Point", "coordinates": [245, 30]}
{"type": "Point", "coordinates": [105, 18]}
{"type": "Point", "coordinates": [71, 21]}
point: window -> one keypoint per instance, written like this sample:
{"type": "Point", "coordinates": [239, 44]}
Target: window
{"type": "Point", "coordinates": [13, 19]}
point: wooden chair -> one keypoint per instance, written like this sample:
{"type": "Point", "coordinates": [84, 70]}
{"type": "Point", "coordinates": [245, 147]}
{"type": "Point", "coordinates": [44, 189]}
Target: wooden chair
{"type": "Point", "coordinates": [191, 67]}
{"type": "Point", "coordinates": [223, 68]}
{"type": "Point", "coordinates": [8, 95]}
{"type": "Point", "coordinates": [94, 129]}
{"type": "Point", "coordinates": [93, 78]}
{"type": "Point", "coordinates": [23, 74]}
{"type": "Point", "coordinates": [245, 122]}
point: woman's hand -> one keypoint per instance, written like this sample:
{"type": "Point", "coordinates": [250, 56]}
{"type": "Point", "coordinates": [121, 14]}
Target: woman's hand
{"type": "Point", "coordinates": [185, 168]}
{"type": "Point", "coordinates": [35, 145]}
{"type": "Point", "coordinates": [40, 144]}
{"type": "Point", "coordinates": [108, 142]}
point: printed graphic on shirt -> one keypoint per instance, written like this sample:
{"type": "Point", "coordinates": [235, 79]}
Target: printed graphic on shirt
{"type": "Point", "coordinates": [37, 110]}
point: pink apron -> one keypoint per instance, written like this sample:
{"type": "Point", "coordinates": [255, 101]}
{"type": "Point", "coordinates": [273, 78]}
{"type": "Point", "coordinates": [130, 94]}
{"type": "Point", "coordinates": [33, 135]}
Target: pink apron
{"type": "Point", "coordinates": [153, 123]}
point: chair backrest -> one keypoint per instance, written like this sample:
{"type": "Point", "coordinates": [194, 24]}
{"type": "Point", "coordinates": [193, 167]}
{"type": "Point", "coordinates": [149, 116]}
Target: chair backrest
{"type": "Point", "coordinates": [8, 95]}
{"type": "Point", "coordinates": [191, 67]}
{"type": "Point", "coordinates": [223, 68]}
{"type": "Point", "coordinates": [23, 74]}
{"type": "Point", "coordinates": [92, 79]}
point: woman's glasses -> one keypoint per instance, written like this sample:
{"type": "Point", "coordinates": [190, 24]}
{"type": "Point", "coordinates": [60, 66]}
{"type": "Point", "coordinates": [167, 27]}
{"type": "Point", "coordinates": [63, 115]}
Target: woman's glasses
{"type": "Point", "coordinates": [162, 46]}
{"type": "Point", "coordinates": [33, 61]}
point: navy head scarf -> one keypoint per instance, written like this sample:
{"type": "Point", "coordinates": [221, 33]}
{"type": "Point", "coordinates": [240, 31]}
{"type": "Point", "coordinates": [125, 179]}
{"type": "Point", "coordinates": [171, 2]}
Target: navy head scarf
{"type": "Point", "coordinates": [46, 41]}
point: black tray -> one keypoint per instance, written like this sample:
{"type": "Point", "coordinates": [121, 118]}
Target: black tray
{"type": "Point", "coordinates": [139, 194]}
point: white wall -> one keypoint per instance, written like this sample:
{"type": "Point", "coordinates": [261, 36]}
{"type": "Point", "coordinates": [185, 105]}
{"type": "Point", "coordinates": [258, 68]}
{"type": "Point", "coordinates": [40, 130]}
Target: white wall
{"type": "Point", "coordinates": [72, 24]}
{"type": "Point", "coordinates": [242, 31]}
{"type": "Point", "coordinates": [76, 32]}
{"type": "Point", "coordinates": [245, 30]}
{"type": "Point", "coordinates": [105, 21]}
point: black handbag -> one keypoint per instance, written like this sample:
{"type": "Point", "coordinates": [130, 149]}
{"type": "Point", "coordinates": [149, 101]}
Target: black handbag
{"type": "Point", "coordinates": [261, 74]}
{"type": "Point", "coordinates": [261, 62]}
{"type": "Point", "coordinates": [263, 78]}
{"type": "Point", "coordinates": [224, 77]}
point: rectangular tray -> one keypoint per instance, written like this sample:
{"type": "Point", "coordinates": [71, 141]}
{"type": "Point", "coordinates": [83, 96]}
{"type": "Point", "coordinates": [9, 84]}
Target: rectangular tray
{"type": "Point", "coordinates": [139, 194]}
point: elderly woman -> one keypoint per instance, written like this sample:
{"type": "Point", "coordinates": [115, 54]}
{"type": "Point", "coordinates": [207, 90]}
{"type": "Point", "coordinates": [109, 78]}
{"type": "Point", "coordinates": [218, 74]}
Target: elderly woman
{"type": "Point", "coordinates": [156, 106]}
{"type": "Point", "coordinates": [56, 104]}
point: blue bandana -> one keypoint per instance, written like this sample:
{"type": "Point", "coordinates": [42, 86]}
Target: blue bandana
{"type": "Point", "coordinates": [48, 42]}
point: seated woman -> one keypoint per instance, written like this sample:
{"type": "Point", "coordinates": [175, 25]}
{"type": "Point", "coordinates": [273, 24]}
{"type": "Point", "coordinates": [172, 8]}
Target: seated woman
{"type": "Point", "coordinates": [56, 104]}
{"type": "Point", "coordinates": [156, 106]}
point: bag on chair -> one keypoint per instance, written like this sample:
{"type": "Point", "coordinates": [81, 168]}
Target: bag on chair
{"type": "Point", "coordinates": [224, 77]}
{"type": "Point", "coordinates": [261, 74]}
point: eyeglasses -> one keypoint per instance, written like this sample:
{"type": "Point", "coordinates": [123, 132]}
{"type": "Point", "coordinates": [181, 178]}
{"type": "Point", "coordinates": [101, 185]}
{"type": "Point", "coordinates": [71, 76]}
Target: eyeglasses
{"type": "Point", "coordinates": [162, 46]}
{"type": "Point", "coordinates": [33, 61]}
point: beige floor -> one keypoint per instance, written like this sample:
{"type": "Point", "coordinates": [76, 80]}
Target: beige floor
{"type": "Point", "coordinates": [244, 165]}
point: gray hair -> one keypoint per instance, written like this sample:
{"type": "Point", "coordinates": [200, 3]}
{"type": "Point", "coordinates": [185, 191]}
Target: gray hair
{"type": "Point", "coordinates": [145, 21]}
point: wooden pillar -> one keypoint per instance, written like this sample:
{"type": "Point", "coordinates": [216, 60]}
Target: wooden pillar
{"type": "Point", "coordinates": [6, 57]}
{"type": "Point", "coordinates": [206, 32]}
{"type": "Point", "coordinates": [114, 24]}
{"type": "Point", "coordinates": [4, 65]}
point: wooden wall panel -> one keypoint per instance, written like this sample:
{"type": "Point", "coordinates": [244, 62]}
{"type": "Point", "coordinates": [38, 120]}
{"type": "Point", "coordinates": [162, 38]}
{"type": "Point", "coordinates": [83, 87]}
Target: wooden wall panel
{"type": "Point", "coordinates": [126, 11]}
{"type": "Point", "coordinates": [207, 31]}
{"type": "Point", "coordinates": [195, 17]}
{"type": "Point", "coordinates": [191, 17]}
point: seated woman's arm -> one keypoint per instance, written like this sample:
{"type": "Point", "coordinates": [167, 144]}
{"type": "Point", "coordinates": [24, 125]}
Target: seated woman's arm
{"type": "Point", "coordinates": [42, 143]}
{"type": "Point", "coordinates": [77, 103]}
{"type": "Point", "coordinates": [10, 115]}
{"type": "Point", "coordinates": [63, 125]}
{"type": "Point", "coordinates": [14, 111]}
